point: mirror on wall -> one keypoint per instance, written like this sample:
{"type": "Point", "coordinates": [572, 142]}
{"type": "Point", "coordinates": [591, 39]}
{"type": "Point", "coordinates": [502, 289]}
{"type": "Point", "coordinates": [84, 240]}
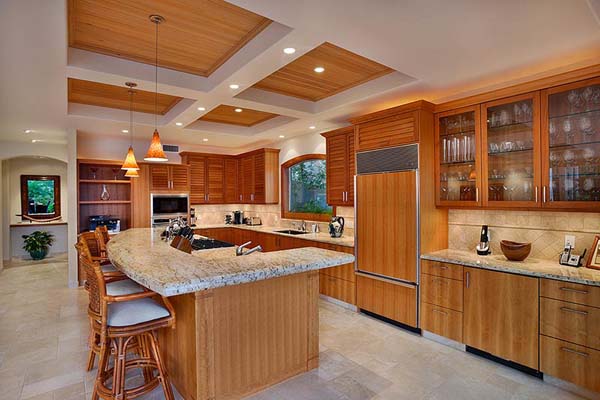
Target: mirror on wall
{"type": "Point", "coordinates": [40, 197]}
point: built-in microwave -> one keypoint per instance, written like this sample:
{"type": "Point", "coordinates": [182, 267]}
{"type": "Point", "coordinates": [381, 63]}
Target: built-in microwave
{"type": "Point", "coordinates": [165, 206]}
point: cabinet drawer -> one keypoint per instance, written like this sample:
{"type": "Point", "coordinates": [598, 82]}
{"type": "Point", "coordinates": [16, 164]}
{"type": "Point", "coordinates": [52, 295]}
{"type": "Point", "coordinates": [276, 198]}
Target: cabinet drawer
{"type": "Point", "coordinates": [574, 323]}
{"type": "Point", "coordinates": [452, 271]}
{"type": "Point", "coordinates": [442, 321]}
{"type": "Point", "coordinates": [391, 300]}
{"type": "Point", "coordinates": [573, 292]}
{"type": "Point", "coordinates": [576, 364]}
{"type": "Point", "coordinates": [337, 288]}
{"type": "Point", "coordinates": [442, 292]}
{"type": "Point", "coordinates": [345, 272]}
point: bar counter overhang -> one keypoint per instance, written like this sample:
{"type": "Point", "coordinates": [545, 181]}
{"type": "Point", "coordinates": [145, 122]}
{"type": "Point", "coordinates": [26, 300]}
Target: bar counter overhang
{"type": "Point", "coordinates": [242, 323]}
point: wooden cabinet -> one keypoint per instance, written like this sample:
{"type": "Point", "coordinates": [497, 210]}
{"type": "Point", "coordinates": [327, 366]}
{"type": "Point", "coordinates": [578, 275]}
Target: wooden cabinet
{"type": "Point", "coordinates": [443, 292]}
{"type": "Point", "coordinates": [575, 323]}
{"type": "Point", "coordinates": [340, 166]}
{"type": "Point", "coordinates": [337, 288]}
{"type": "Point", "coordinates": [169, 177]}
{"type": "Point", "coordinates": [210, 182]}
{"type": "Point", "coordinates": [501, 315]}
{"type": "Point", "coordinates": [571, 292]}
{"type": "Point", "coordinates": [198, 178]}
{"type": "Point", "coordinates": [230, 186]}
{"type": "Point", "coordinates": [259, 177]}
{"type": "Point", "coordinates": [442, 321]}
{"type": "Point", "coordinates": [387, 298]}
{"type": "Point", "coordinates": [531, 146]}
{"type": "Point", "coordinates": [384, 130]}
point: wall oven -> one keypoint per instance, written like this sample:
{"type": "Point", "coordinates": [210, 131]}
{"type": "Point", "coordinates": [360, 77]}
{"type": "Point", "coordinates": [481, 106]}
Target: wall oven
{"type": "Point", "coordinates": [168, 206]}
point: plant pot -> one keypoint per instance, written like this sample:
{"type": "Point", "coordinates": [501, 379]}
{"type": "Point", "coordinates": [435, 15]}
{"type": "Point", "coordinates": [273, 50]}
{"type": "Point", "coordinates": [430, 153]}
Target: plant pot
{"type": "Point", "coordinates": [39, 254]}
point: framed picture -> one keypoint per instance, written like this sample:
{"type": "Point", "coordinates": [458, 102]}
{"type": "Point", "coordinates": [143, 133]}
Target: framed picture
{"type": "Point", "coordinates": [594, 257]}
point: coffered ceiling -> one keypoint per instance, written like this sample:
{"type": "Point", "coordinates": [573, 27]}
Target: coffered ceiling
{"type": "Point", "coordinates": [197, 36]}
{"type": "Point", "coordinates": [236, 116]}
{"type": "Point", "coordinates": [341, 70]}
{"type": "Point", "coordinates": [99, 94]}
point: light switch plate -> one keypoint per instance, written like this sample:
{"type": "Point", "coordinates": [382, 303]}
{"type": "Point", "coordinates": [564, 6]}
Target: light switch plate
{"type": "Point", "coordinates": [570, 241]}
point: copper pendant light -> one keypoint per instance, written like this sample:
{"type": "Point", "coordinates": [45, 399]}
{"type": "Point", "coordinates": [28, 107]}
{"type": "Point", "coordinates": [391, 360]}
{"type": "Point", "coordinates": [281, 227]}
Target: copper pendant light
{"type": "Point", "coordinates": [132, 173]}
{"type": "Point", "coordinates": [155, 151]}
{"type": "Point", "coordinates": [130, 163]}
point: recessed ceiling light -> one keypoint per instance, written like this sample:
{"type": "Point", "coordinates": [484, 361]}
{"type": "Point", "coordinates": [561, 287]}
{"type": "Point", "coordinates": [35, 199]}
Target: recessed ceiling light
{"type": "Point", "coordinates": [28, 130]}
{"type": "Point", "coordinates": [205, 140]}
{"type": "Point", "coordinates": [289, 50]}
{"type": "Point", "coordinates": [319, 69]}
{"type": "Point", "coordinates": [234, 86]}
{"type": "Point", "coordinates": [179, 123]}
{"type": "Point", "coordinates": [312, 127]}
{"type": "Point", "coordinates": [238, 110]}
{"type": "Point", "coordinates": [34, 140]}
{"type": "Point", "coordinates": [125, 130]}
{"type": "Point", "coordinates": [201, 109]}
{"type": "Point", "coordinates": [281, 136]}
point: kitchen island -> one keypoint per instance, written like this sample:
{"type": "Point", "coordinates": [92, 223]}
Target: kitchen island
{"type": "Point", "coordinates": [242, 323]}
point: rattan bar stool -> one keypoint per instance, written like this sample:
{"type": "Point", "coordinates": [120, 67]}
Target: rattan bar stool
{"type": "Point", "coordinates": [95, 254]}
{"type": "Point", "coordinates": [102, 237]}
{"type": "Point", "coordinates": [124, 320]}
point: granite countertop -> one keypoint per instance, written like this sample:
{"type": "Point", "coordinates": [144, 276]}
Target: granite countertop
{"type": "Point", "coordinates": [345, 240]}
{"type": "Point", "coordinates": [530, 266]}
{"type": "Point", "coordinates": [144, 257]}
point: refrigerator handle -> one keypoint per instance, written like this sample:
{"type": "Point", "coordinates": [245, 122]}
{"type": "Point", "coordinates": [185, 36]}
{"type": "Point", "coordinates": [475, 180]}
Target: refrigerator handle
{"type": "Point", "coordinates": [468, 279]}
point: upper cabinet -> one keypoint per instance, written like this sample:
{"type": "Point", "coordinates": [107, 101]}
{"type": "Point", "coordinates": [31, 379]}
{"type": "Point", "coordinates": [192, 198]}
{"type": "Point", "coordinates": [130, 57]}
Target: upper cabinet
{"type": "Point", "coordinates": [571, 145]}
{"type": "Point", "coordinates": [258, 177]}
{"type": "Point", "coordinates": [457, 142]}
{"type": "Point", "coordinates": [511, 151]}
{"type": "Point", "coordinates": [169, 177]}
{"type": "Point", "coordinates": [380, 131]}
{"type": "Point", "coordinates": [340, 166]}
{"type": "Point", "coordinates": [539, 149]}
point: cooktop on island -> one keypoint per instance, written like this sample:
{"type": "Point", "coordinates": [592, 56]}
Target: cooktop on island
{"type": "Point", "coordinates": [207, 243]}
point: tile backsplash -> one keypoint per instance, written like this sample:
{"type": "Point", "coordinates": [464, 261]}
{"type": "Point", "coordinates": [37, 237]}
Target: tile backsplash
{"type": "Point", "coordinates": [545, 230]}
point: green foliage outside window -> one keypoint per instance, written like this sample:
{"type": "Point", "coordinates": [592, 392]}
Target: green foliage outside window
{"type": "Point", "coordinates": [307, 188]}
{"type": "Point", "coordinates": [41, 196]}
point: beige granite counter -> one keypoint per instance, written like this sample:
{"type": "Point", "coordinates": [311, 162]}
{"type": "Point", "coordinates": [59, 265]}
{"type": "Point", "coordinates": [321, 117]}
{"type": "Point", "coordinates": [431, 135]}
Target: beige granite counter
{"type": "Point", "coordinates": [345, 240]}
{"type": "Point", "coordinates": [144, 257]}
{"type": "Point", "coordinates": [530, 266]}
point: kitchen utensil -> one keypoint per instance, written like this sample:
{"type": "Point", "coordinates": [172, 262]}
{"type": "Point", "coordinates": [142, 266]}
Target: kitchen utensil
{"type": "Point", "coordinates": [336, 227]}
{"type": "Point", "coordinates": [238, 217]}
{"type": "Point", "coordinates": [515, 251]}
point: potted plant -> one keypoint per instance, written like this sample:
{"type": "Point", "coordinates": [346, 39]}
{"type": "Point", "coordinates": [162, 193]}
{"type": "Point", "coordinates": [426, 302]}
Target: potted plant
{"type": "Point", "coordinates": [37, 244]}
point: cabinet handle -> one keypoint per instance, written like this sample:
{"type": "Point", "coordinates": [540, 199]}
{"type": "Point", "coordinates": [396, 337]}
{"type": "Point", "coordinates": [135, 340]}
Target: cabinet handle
{"type": "Point", "coordinates": [568, 289]}
{"type": "Point", "coordinates": [476, 195]}
{"type": "Point", "coordinates": [579, 353]}
{"type": "Point", "coordinates": [208, 197]}
{"type": "Point", "coordinates": [439, 311]}
{"type": "Point", "coordinates": [566, 309]}
{"type": "Point", "coordinates": [543, 194]}
{"type": "Point", "coordinates": [440, 266]}
{"type": "Point", "coordinates": [536, 194]}
{"type": "Point", "coordinates": [468, 279]}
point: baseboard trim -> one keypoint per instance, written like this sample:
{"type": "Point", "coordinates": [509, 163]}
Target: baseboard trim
{"type": "Point", "coordinates": [340, 303]}
{"type": "Point", "coordinates": [390, 321]}
{"type": "Point", "coordinates": [511, 364]}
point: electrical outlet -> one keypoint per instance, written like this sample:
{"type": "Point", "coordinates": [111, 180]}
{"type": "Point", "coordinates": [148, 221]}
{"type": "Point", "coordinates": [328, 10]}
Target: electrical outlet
{"type": "Point", "coordinates": [570, 241]}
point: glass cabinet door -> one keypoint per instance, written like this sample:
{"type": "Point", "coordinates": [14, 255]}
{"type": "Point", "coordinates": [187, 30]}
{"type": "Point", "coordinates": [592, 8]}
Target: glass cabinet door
{"type": "Point", "coordinates": [571, 115]}
{"type": "Point", "coordinates": [457, 157]}
{"type": "Point", "coordinates": [511, 148]}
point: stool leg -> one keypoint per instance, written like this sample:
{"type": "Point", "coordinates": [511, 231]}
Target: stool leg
{"type": "Point", "coordinates": [144, 352]}
{"type": "Point", "coordinates": [103, 358]}
{"type": "Point", "coordinates": [162, 372]}
{"type": "Point", "coordinates": [119, 371]}
{"type": "Point", "coordinates": [91, 343]}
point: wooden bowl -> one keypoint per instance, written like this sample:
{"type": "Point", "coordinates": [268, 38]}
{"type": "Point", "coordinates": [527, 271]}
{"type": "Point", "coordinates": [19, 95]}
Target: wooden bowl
{"type": "Point", "coordinates": [515, 251]}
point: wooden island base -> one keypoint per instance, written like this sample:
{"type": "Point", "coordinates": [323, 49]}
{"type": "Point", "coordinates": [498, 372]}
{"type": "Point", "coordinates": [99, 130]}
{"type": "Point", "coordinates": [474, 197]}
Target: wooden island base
{"type": "Point", "coordinates": [233, 341]}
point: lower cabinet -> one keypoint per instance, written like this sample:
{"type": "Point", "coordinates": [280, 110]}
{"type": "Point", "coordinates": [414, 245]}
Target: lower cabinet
{"type": "Point", "coordinates": [442, 321]}
{"type": "Point", "coordinates": [501, 315]}
{"type": "Point", "coordinates": [395, 301]}
{"type": "Point", "coordinates": [337, 288]}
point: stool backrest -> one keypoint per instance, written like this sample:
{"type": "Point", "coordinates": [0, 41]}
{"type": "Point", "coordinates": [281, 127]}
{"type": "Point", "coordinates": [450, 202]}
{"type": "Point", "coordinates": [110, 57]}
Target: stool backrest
{"type": "Point", "coordinates": [102, 237]}
{"type": "Point", "coordinates": [90, 243]}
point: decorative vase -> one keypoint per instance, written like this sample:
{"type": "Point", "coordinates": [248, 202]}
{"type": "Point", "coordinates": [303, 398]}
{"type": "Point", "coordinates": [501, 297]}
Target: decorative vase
{"type": "Point", "coordinates": [39, 254]}
{"type": "Point", "coordinates": [104, 195]}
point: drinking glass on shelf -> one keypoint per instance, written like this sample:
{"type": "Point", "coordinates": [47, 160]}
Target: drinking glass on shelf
{"type": "Point", "coordinates": [518, 112]}
{"type": "Point", "coordinates": [116, 173]}
{"type": "Point", "coordinates": [586, 95]}
{"type": "Point", "coordinates": [568, 130]}
{"type": "Point", "coordinates": [575, 100]}
{"type": "Point", "coordinates": [93, 170]}
{"type": "Point", "coordinates": [588, 156]}
{"type": "Point", "coordinates": [585, 125]}
{"type": "Point", "coordinates": [595, 99]}
{"type": "Point", "coordinates": [527, 112]}
{"type": "Point", "coordinates": [569, 157]}
{"type": "Point", "coordinates": [554, 159]}
{"type": "Point", "coordinates": [504, 118]}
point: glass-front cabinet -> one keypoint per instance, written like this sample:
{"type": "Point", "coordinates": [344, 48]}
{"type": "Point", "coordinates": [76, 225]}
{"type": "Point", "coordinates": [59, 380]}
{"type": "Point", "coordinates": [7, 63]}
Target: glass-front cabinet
{"type": "Point", "coordinates": [457, 157]}
{"type": "Point", "coordinates": [511, 152]}
{"type": "Point", "coordinates": [571, 145]}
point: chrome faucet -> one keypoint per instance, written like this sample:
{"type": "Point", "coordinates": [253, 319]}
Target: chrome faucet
{"type": "Point", "coordinates": [303, 226]}
{"type": "Point", "coordinates": [239, 251]}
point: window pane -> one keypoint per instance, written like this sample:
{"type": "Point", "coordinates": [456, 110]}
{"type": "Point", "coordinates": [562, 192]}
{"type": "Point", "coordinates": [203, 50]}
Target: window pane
{"type": "Point", "coordinates": [40, 196]}
{"type": "Point", "coordinates": [308, 188]}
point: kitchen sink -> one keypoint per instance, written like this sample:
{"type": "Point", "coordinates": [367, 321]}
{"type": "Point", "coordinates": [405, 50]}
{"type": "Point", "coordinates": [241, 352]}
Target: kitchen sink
{"type": "Point", "coordinates": [292, 232]}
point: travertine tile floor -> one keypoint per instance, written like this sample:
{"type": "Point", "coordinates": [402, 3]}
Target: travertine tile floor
{"type": "Point", "coordinates": [43, 331]}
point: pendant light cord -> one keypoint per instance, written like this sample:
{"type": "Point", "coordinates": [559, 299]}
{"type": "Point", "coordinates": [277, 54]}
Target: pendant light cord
{"type": "Point", "coordinates": [156, 79]}
{"type": "Point", "coordinates": [131, 117]}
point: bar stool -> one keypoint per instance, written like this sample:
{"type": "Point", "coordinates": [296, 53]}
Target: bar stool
{"type": "Point", "coordinates": [102, 237]}
{"type": "Point", "coordinates": [115, 286]}
{"type": "Point", "coordinates": [95, 254]}
{"type": "Point", "coordinates": [123, 319]}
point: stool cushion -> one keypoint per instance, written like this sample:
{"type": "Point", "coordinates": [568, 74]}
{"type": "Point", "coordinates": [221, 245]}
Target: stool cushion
{"type": "Point", "coordinates": [123, 287]}
{"type": "Point", "coordinates": [108, 268]}
{"type": "Point", "coordinates": [135, 312]}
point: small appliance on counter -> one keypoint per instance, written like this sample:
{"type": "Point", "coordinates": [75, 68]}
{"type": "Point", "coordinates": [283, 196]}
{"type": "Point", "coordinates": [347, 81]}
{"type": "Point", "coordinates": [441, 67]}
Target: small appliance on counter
{"type": "Point", "coordinates": [113, 224]}
{"type": "Point", "coordinates": [238, 217]}
{"type": "Point", "coordinates": [569, 259]}
{"type": "Point", "coordinates": [483, 248]}
{"type": "Point", "coordinates": [228, 219]}
{"type": "Point", "coordinates": [193, 217]}
{"type": "Point", "coordinates": [253, 221]}
{"type": "Point", "coordinates": [336, 227]}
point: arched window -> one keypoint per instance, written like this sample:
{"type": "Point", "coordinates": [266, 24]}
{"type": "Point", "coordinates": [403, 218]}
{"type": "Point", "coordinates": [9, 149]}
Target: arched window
{"type": "Point", "coordinates": [304, 188]}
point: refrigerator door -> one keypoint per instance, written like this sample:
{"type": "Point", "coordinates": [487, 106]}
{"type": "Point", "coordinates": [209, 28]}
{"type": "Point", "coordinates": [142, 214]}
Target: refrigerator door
{"type": "Point", "coordinates": [387, 225]}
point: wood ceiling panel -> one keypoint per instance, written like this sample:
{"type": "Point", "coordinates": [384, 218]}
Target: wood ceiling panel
{"type": "Point", "coordinates": [343, 70]}
{"type": "Point", "coordinates": [197, 36]}
{"type": "Point", "coordinates": [225, 114]}
{"type": "Point", "coordinates": [103, 95]}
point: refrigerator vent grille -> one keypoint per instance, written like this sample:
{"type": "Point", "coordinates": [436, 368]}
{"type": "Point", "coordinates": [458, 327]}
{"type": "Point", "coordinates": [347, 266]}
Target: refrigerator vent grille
{"type": "Point", "coordinates": [393, 159]}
